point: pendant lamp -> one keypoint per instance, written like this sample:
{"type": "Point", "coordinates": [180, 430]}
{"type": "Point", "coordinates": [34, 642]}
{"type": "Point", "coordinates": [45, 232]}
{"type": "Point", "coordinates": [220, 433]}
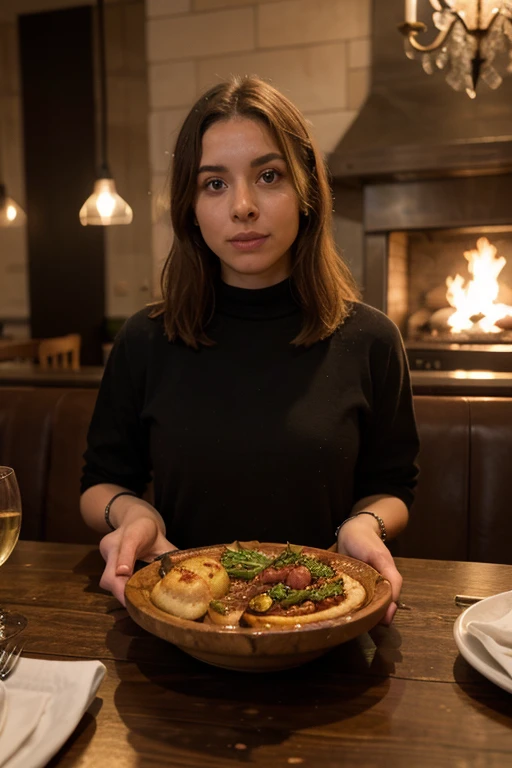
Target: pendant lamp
{"type": "Point", "coordinates": [105, 207]}
{"type": "Point", "coordinates": [11, 214]}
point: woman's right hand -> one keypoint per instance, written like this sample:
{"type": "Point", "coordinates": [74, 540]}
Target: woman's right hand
{"type": "Point", "coordinates": [139, 537]}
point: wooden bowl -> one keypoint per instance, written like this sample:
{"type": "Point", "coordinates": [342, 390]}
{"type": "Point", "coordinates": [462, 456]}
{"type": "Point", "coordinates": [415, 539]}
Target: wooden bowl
{"type": "Point", "coordinates": [254, 650]}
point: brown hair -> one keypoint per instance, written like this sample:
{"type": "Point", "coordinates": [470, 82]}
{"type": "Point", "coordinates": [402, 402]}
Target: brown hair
{"type": "Point", "coordinates": [321, 281]}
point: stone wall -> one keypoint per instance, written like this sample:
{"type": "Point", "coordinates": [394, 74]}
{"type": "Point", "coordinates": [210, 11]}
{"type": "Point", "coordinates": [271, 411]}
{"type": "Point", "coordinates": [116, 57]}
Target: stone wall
{"type": "Point", "coordinates": [13, 243]}
{"type": "Point", "coordinates": [128, 252]}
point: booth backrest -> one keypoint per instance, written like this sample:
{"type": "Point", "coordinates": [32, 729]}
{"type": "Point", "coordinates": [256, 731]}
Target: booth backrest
{"type": "Point", "coordinates": [43, 436]}
{"type": "Point", "coordinates": [462, 507]}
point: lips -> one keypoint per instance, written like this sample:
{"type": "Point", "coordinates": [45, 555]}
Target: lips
{"type": "Point", "coordinates": [248, 241]}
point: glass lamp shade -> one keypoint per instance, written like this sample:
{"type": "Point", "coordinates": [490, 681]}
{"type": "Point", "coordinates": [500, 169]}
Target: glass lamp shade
{"type": "Point", "coordinates": [11, 214]}
{"type": "Point", "coordinates": [473, 41]}
{"type": "Point", "coordinates": [105, 207]}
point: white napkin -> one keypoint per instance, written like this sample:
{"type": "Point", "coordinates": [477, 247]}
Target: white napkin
{"type": "Point", "coordinates": [45, 702]}
{"type": "Point", "coordinates": [495, 633]}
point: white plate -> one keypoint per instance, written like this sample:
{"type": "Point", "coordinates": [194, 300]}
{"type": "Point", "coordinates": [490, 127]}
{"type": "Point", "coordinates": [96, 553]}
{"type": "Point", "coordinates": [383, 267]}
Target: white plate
{"type": "Point", "coordinates": [472, 649]}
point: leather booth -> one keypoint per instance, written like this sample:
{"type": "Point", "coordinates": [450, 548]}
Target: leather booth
{"type": "Point", "coordinates": [462, 509]}
{"type": "Point", "coordinates": [462, 506]}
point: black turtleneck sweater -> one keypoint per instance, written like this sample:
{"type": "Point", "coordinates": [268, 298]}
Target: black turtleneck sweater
{"type": "Point", "coordinates": [254, 438]}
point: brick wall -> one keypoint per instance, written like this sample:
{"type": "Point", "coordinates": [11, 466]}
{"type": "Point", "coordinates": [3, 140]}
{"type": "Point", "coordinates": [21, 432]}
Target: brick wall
{"type": "Point", "coordinates": [316, 51]}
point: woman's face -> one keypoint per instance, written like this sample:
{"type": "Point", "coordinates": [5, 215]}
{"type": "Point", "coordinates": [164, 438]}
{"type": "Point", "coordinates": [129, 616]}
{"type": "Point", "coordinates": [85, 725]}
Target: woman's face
{"type": "Point", "coordinates": [246, 205]}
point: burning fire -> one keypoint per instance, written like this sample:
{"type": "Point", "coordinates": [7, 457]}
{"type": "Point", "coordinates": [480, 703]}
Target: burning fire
{"type": "Point", "coordinates": [475, 302]}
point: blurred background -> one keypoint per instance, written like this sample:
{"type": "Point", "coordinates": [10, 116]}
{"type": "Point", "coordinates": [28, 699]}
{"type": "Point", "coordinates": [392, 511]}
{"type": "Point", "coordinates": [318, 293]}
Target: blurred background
{"type": "Point", "coordinates": [58, 277]}
{"type": "Point", "coordinates": [419, 151]}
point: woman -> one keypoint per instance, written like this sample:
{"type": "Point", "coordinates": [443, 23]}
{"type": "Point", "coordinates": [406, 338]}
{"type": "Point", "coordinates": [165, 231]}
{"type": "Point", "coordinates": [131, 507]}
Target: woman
{"type": "Point", "coordinates": [265, 400]}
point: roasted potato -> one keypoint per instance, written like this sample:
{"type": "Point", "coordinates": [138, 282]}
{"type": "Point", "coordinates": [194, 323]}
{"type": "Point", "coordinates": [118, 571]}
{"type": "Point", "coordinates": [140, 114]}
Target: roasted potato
{"type": "Point", "coordinates": [211, 571]}
{"type": "Point", "coordinates": [182, 593]}
{"type": "Point", "coordinates": [188, 588]}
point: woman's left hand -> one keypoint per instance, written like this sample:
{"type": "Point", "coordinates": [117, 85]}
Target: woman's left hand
{"type": "Point", "coordinates": [359, 539]}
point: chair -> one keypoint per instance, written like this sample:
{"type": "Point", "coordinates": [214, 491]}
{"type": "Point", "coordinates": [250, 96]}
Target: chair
{"type": "Point", "coordinates": [60, 352]}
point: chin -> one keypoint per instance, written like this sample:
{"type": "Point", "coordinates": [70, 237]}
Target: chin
{"type": "Point", "coordinates": [256, 267]}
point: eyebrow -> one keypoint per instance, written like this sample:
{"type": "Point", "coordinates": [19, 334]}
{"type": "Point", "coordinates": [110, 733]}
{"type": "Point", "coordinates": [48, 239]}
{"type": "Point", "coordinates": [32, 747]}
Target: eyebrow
{"type": "Point", "coordinates": [263, 160]}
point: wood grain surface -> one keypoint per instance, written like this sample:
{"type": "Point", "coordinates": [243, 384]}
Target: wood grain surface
{"type": "Point", "coordinates": [399, 696]}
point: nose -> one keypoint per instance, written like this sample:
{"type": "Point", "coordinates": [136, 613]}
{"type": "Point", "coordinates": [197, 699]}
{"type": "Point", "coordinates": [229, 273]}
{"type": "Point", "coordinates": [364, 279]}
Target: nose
{"type": "Point", "coordinates": [244, 204]}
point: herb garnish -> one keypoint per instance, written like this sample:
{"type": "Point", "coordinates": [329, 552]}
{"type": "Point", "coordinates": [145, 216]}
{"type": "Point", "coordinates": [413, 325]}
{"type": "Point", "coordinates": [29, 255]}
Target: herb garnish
{"type": "Point", "coordinates": [316, 568]}
{"type": "Point", "coordinates": [286, 596]}
{"type": "Point", "coordinates": [244, 563]}
{"type": "Point", "coordinates": [218, 607]}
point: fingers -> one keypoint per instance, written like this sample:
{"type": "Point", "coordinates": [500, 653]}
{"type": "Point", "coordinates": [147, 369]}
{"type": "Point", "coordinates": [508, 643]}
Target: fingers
{"type": "Point", "coordinates": [116, 586]}
{"type": "Point", "coordinates": [388, 616]}
{"type": "Point", "coordinates": [130, 544]}
{"type": "Point", "coordinates": [389, 570]}
{"type": "Point", "coordinates": [109, 548]}
{"type": "Point", "coordinates": [383, 562]}
{"type": "Point", "coordinates": [137, 540]}
{"type": "Point", "coordinates": [121, 548]}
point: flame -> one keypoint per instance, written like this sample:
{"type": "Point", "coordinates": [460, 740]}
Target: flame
{"type": "Point", "coordinates": [477, 297]}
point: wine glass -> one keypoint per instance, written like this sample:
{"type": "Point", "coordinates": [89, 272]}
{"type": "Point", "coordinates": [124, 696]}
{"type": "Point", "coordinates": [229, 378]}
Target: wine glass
{"type": "Point", "coordinates": [10, 523]}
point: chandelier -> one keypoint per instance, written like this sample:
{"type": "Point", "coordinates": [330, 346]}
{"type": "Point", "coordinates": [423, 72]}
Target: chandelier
{"type": "Point", "coordinates": [473, 41]}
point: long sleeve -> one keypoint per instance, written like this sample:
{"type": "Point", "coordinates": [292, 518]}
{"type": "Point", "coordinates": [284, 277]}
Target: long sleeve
{"type": "Point", "coordinates": [117, 449]}
{"type": "Point", "coordinates": [389, 441]}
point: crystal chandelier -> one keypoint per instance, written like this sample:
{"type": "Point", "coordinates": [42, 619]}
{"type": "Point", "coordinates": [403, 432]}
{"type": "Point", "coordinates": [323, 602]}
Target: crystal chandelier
{"type": "Point", "coordinates": [473, 42]}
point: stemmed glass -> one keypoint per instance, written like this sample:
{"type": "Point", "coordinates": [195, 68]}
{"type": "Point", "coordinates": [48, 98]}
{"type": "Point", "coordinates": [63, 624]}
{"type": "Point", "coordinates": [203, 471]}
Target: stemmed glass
{"type": "Point", "coordinates": [10, 523]}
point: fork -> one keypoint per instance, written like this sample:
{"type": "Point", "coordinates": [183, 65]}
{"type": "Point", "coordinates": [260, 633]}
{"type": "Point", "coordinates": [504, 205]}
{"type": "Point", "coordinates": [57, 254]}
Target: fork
{"type": "Point", "coordinates": [9, 657]}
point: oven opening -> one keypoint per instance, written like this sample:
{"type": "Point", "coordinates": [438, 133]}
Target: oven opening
{"type": "Point", "coordinates": [450, 293]}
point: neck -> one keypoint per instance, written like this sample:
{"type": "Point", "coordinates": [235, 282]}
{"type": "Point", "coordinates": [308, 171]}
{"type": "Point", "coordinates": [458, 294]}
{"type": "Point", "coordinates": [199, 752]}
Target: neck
{"type": "Point", "coordinates": [267, 302]}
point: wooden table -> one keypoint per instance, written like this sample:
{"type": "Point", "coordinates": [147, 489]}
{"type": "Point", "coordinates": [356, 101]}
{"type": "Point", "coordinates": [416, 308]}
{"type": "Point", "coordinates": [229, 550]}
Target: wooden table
{"type": "Point", "coordinates": [402, 697]}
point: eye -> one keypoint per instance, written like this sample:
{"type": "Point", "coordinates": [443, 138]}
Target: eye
{"type": "Point", "coordinates": [214, 184]}
{"type": "Point", "coordinates": [270, 176]}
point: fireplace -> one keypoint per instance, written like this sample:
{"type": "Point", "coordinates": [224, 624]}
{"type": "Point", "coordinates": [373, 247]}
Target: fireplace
{"type": "Point", "coordinates": [434, 172]}
{"type": "Point", "coordinates": [428, 266]}
{"type": "Point", "coordinates": [450, 292]}
{"type": "Point", "coordinates": [423, 247]}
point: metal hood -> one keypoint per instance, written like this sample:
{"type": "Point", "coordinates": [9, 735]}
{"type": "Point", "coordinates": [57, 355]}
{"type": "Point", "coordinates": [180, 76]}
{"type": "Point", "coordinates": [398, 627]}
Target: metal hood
{"type": "Point", "coordinates": [413, 125]}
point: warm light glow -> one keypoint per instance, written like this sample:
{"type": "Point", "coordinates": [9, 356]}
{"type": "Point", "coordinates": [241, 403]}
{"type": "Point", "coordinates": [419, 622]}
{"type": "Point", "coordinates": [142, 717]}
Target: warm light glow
{"type": "Point", "coordinates": [105, 207]}
{"type": "Point", "coordinates": [11, 214]}
{"type": "Point", "coordinates": [458, 374]}
{"type": "Point", "coordinates": [475, 304]}
{"type": "Point", "coordinates": [106, 204]}
{"type": "Point", "coordinates": [411, 12]}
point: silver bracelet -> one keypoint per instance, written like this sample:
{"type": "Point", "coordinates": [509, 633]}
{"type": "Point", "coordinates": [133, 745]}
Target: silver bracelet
{"type": "Point", "coordinates": [383, 532]}
{"type": "Point", "coordinates": [107, 508]}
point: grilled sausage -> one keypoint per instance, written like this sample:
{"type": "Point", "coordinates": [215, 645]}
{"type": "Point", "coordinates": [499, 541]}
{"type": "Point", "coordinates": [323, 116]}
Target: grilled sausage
{"type": "Point", "coordinates": [298, 578]}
